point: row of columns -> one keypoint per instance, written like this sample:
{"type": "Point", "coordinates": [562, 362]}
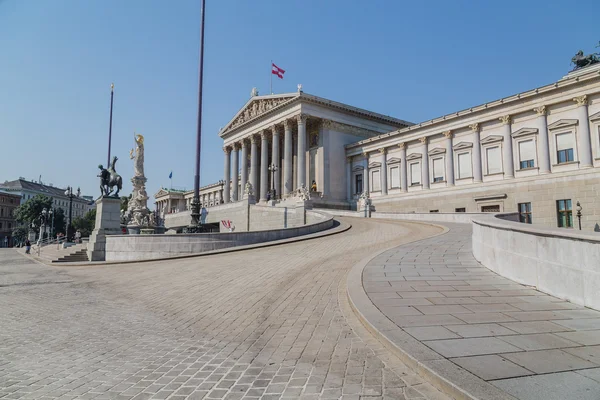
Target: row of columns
{"type": "Point", "coordinates": [544, 163]}
{"type": "Point", "coordinates": [230, 169]}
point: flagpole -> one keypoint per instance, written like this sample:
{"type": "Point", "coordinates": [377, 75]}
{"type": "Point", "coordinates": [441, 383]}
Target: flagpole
{"type": "Point", "coordinates": [271, 75]}
{"type": "Point", "coordinates": [112, 93]}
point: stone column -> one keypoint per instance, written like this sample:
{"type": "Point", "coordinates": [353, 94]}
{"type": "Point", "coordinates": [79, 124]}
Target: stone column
{"type": "Point", "coordinates": [349, 178]}
{"type": "Point", "coordinates": [366, 187]}
{"type": "Point", "coordinates": [583, 133]}
{"type": "Point", "coordinates": [254, 162]}
{"type": "Point", "coordinates": [383, 172]}
{"type": "Point", "coordinates": [227, 173]}
{"type": "Point", "coordinates": [507, 159]}
{"type": "Point", "coordinates": [275, 161]}
{"type": "Point", "coordinates": [235, 169]}
{"type": "Point", "coordinates": [302, 150]}
{"type": "Point", "coordinates": [244, 167]}
{"type": "Point", "coordinates": [543, 147]}
{"type": "Point", "coordinates": [288, 158]}
{"type": "Point", "coordinates": [425, 163]}
{"type": "Point", "coordinates": [477, 176]}
{"type": "Point", "coordinates": [264, 166]}
{"type": "Point", "coordinates": [449, 159]}
{"type": "Point", "coordinates": [403, 172]}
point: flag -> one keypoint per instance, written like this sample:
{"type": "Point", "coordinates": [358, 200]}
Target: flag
{"type": "Point", "coordinates": [171, 175]}
{"type": "Point", "coordinates": [275, 70]}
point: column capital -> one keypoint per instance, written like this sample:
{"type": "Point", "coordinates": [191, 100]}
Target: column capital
{"type": "Point", "coordinates": [349, 159]}
{"type": "Point", "coordinates": [581, 100]}
{"type": "Point", "coordinates": [286, 124]}
{"type": "Point", "coordinates": [327, 123]}
{"type": "Point", "coordinates": [424, 139]}
{"type": "Point", "coordinates": [236, 146]}
{"type": "Point", "coordinates": [474, 127]}
{"type": "Point", "coordinates": [273, 129]}
{"type": "Point", "coordinates": [301, 118]}
{"type": "Point", "coordinates": [243, 143]}
{"type": "Point", "coordinates": [541, 110]}
{"type": "Point", "coordinates": [402, 145]}
{"type": "Point", "coordinates": [505, 119]}
{"type": "Point", "coordinates": [226, 149]}
{"type": "Point", "coordinates": [382, 150]}
{"type": "Point", "coordinates": [264, 134]}
{"type": "Point", "coordinates": [253, 139]}
{"type": "Point", "coordinates": [448, 134]}
{"type": "Point", "coordinates": [366, 154]}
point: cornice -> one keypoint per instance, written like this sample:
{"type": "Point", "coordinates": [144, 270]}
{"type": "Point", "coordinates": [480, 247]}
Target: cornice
{"type": "Point", "coordinates": [492, 139]}
{"type": "Point", "coordinates": [563, 123]}
{"type": "Point", "coordinates": [524, 132]}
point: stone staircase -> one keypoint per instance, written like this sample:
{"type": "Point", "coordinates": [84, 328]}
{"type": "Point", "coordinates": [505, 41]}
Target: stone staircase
{"type": "Point", "coordinates": [54, 254]}
{"type": "Point", "coordinates": [78, 256]}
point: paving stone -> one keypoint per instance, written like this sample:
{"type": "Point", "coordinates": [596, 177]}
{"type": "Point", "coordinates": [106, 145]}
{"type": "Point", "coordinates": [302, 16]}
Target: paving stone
{"type": "Point", "coordinates": [431, 333]}
{"type": "Point", "coordinates": [470, 346]}
{"type": "Point", "coordinates": [545, 361]}
{"type": "Point", "coordinates": [538, 341]}
{"type": "Point", "coordinates": [593, 373]}
{"type": "Point", "coordinates": [491, 367]}
{"type": "Point", "coordinates": [581, 324]}
{"type": "Point", "coordinates": [587, 338]}
{"type": "Point", "coordinates": [558, 386]}
{"type": "Point", "coordinates": [480, 330]}
{"type": "Point", "coordinates": [589, 353]}
{"type": "Point", "coordinates": [534, 327]}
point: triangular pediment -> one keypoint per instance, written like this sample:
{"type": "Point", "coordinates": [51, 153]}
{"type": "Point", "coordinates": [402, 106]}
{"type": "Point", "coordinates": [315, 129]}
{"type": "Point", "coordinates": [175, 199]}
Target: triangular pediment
{"type": "Point", "coordinates": [436, 151]}
{"type": "Point", "coordinates": [160, 193]}
{"type": "Point", "coordinates": [256, 107]}
{"type": "Point", "coordinates": [462, 145]}
{"type": "Point", "coordinates": [524, 132]}
{"type": "Point", "coordinates": [492, 139]}
{"type": "Point", "coordinates": [414, 156]}
{"type": "Point", "coordinates": [595, 117]}
{"type": "Point", "coordinates": [393, 160]}
{"type": "Point", "coordinates": [375, 165]}
{"type": "Point", "coordinates": [563, 123]}
{"type": "Point", "coordinates": [358, 168]}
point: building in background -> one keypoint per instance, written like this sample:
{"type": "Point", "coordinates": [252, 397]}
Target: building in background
{"type": "Point", "coordinates": [28, 189]}
{"type": "Point", "coordinates": [8, 203]}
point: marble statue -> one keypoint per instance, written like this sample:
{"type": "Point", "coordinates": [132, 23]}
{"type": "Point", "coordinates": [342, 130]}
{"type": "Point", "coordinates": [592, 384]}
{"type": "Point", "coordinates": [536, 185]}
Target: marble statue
{"type": "Point", "coordinates": [303, 193]}
{"type": "Point", "coordinates": [138, 215]}
{"type": "Point", "coordinates": [248, 190]}
{"type": "Point", "coordinates": [138, 164]}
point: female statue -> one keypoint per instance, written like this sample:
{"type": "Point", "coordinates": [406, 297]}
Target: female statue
{"type": "Point", "coordinates": [138, 164]}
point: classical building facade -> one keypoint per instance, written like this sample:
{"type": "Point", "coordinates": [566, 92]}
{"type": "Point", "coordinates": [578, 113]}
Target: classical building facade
{"type": "Point", "coordinates": [8, 203]}
{"type": "Point", "coordinates": [172, 201]}
{"type": "Point", "coordinates": [536, 152]}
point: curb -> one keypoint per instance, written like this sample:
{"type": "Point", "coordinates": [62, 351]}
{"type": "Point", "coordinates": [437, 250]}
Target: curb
{"type": "Point", "coordinates": [342, 227]}
{"type": "Point", "coordinates": [435, 368]}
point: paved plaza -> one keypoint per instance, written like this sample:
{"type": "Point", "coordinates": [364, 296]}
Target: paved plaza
{"type": "Point", "coordinates": [525, 343]}
{"type": "Point", "coordinates": [266, 323]}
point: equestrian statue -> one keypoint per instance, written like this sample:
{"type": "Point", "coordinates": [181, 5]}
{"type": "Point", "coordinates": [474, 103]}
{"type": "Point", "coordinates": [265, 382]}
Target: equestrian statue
{"type": "Point", "coordinates": [109, 179]}
{"type": "Point", "coordinates": [580, 60]}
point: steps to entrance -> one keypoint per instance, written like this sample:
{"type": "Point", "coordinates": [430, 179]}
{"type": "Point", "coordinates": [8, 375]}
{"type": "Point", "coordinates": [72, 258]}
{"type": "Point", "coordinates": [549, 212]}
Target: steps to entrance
{"type": "Point", "coordinates": [78, 256]}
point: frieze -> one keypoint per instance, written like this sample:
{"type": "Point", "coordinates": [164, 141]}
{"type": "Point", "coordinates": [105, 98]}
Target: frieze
{"type": "Point", "coordinates": [256, 108]}
{"type": "Point", "coordinates": [352, 130]}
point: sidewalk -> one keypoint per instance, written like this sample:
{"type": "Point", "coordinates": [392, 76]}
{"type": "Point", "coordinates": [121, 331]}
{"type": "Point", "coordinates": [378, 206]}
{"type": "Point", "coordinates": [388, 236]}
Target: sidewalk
{"type": "Point", "coordinates": [452, 315]}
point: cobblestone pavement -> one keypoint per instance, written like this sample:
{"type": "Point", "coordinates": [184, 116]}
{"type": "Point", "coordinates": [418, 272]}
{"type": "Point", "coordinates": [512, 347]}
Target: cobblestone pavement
{"type": "Point", "coordinates": [266, 323]}
{"type": "Point", "coordinates": [526, 343]}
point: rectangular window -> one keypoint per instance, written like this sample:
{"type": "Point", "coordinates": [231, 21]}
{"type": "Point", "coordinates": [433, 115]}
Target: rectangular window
{"type": "Point", "coordinates": [434, 211]}
{"type": "Point", "coordinates": [358, 184]}
{"type": "Point", "coordinates": [495, 208]}
{"type": "Point", "coordinates": [525, 213]}
{"type": "Point", "coordinates": [376, 181]}
{"type": "Point", "coordinates": [526, 154]}
{"type": "Point", "coordinates": [438, 169]}
{"type": "Point", "coordinates": [494, 160]}
{"type": "Point", "coordinates": [395, 177]}
{"type": "Point", "coordinates": [415, 174]}
{"type": "Point", "coordinates": [565, 143]}
{"type": "Point", "coordinates": [462, 209]}
{"type": "Point", "coordinates": [564, 213]}
{"type": "Point", "coordinates": [464, 166]}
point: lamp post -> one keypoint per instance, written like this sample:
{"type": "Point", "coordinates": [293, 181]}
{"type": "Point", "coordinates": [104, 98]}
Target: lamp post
{"type": "Point", "coordinates": [579, 214]}
{"type": "Point", "coordinates": [51, 212]}
{"type": "Point", "coordinates": [70, 195]}
{"type": "Point", "coordinates": [196, 200]}
{"type": "Point", "coordinates": [273, 168]}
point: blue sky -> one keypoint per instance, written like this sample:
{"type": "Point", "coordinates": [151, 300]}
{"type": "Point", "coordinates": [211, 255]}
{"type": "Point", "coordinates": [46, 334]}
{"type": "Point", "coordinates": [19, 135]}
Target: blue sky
{"type": "Point", "coordinates": [411, 60]}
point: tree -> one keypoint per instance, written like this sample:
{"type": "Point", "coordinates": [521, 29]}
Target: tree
{"type": "Point", "coordinates": [19, 234]}
{"type": "Point", "coordinates": [125, 202]}
{"type": "Point", "coordinates": [31, 210]}
{"type": "Point", "coordinates": [60, 221]}
{"type": "Point", "coordinates": [85, 224]}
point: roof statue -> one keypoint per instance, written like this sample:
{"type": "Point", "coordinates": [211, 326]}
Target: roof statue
{"type": "Point", "coordinates": [254, 92]}
{"type": "Point", "coordinates": [581, 61]}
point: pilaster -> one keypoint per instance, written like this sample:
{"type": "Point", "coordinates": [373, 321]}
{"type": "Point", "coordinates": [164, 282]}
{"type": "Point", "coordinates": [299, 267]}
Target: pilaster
{"type": "Point", "coordinates": [583, 132]}
{"type": "Point", "coordinates": [477, 174]}
{"type": "Point", "coordinates": [425, 162]}
{"type": "Point", "coordinates": [449, 158]}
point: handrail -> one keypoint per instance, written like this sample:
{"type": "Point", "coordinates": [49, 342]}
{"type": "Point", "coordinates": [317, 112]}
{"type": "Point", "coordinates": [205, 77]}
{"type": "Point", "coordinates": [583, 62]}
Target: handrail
{"type": "Point", "coordinates": [45, 242]}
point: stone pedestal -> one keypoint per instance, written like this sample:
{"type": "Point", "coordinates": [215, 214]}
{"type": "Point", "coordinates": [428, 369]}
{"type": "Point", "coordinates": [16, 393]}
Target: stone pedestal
{"type": "Point", "coordinates": [108, 222]}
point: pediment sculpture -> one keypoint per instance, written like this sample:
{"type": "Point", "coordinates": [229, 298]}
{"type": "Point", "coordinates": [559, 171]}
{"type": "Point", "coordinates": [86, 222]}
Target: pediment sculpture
{"type": "Point", "coordinates": [256, 108]}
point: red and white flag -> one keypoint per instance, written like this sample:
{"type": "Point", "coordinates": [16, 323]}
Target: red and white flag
{"type": "Point", "coordinates": [275, 70]}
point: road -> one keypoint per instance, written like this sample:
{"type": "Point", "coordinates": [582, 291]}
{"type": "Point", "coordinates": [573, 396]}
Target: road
{"type": "Point", "coordinates": [266, 323]}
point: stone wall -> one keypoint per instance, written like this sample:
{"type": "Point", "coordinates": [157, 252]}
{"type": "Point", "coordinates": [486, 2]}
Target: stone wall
{"type": "Point", "coordinates": [144, 247]}
{"type": "Point", "coordinates": [563, 263]}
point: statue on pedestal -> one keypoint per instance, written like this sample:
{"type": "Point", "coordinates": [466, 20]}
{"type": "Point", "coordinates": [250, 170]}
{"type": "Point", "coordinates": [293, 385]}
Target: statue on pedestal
{"type": "Point", "coordinates": [110, 179]}
{"type": "Point", "coordinates": [138, 215]}
{"type": "Point", "coordinates": [580, 60]}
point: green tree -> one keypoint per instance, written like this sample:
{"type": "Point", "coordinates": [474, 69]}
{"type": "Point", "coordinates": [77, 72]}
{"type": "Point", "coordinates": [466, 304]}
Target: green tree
{"type": "Point", "coordinates": [31, 210]}
{"type": "Point", "coordinates": [19, 234]}
{"type": "Point", "coordinates": [85, 224]}
{"type": "Point", "coordinates": [125, 202]}
{"type": "Point", "coordinates": [60, 221]}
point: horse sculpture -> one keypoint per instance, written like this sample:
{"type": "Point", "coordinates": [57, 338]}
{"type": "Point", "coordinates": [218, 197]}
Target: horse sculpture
{"type": "Point", "coordinates": [581, 60]}
{"type": "Point", "coordinates": [110, 179]}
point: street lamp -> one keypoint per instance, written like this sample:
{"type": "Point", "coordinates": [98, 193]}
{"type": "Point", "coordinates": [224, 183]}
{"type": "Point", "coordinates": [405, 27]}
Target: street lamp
{"type": "Point", "coordinates": [43, 219]}
{"type": "Point", "coordinates": [70, 195]}
{"type": "Point", "coordinates": [273, 168]}
{"type": "Point", "coordinates": [51, 213]}
{"type": "Point", "coordinates": [579, 214]}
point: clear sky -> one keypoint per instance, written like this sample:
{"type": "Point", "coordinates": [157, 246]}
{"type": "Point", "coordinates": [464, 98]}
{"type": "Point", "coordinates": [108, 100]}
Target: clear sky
{"type": "Point", "coordinates": [412, 60]}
